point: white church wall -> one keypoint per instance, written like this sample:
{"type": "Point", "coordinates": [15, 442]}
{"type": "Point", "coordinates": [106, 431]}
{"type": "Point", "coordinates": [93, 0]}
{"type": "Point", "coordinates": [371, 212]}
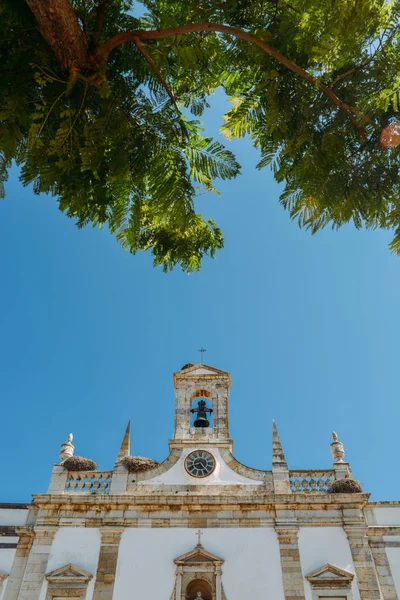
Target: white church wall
{"type": "Point", "coordinates": [222, 474]}
{"type": "Point", "coordinates": [13, 516]}
{"type": "Point", "coordinates": [252, 566]}
{"type": "Point", "coordinates": [6, 561]}
{"type": "Point", "coordinates": [321, 545]}
{"type": "Point", "coordinates": [387, 515]}
{"type": "Point", "coordinates": [393, 555]}
{"type": "Point", "coordinates": [77, 545]}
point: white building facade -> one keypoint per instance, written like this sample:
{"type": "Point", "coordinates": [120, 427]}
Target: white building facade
{"type": "Point", "coordinates": [200, 525]}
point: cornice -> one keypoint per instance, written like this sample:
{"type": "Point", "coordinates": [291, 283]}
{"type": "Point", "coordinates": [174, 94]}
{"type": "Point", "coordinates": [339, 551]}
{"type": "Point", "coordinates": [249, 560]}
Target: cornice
{"type": "Point", "coordinates": [81, 502]}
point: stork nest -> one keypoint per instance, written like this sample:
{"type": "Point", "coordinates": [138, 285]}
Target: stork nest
{"type": "Point", "coordinates": [345, 486]}
{"type": "Point", "coordinates": [187, 366]}
{"type": "Point", "coordinates": [78, 463]}
{"type": "Point", "coordinates": [135, 464]}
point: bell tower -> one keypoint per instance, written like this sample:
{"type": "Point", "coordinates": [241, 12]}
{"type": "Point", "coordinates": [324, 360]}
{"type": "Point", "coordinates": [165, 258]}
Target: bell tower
{"type": "Point", "coordinates": [201, 407]}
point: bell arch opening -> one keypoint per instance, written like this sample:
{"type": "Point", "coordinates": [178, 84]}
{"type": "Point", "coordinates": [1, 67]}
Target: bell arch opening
{"type": "Point", "coordinates": [199, 589]}
{"type": "Point", "coordinates": [201, 410]}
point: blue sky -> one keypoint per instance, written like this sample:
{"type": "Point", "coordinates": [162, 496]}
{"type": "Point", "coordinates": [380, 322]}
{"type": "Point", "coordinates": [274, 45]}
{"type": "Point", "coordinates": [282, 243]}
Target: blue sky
{"type": "Point", "coordinates": [90, 336]}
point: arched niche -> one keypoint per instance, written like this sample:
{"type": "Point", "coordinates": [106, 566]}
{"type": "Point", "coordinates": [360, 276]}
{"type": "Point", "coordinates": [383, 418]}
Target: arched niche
{"type": "Point", "coordinates": [199, 586]}
{"type": "Point", "coordinates": [198, 571]}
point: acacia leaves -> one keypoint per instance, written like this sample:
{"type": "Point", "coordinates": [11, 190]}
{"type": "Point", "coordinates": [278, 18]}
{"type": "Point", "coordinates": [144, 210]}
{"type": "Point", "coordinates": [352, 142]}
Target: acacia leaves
{"type": "Point", "coordinates": [315, 86]}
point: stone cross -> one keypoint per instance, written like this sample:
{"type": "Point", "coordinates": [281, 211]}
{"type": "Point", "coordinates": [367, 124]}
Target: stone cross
{"type": "Point", "coordinates": [199, 533]}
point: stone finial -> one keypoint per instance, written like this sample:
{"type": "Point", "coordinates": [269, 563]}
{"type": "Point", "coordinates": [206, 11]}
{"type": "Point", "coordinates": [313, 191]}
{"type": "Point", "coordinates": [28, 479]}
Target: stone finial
{"type": "Point", "coordinates": [337, 448]}
{"type": "Point", "coordinates": [278, 457]}
{"type": "Point", "coordinates": [67, 448]}
{"type": "Point", "coordinates": [125, 448]}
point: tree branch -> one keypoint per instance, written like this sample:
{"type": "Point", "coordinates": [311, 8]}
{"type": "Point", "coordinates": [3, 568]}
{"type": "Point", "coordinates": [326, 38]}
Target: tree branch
{"type": "Point", "coordinates": [59, 26]}
{"type": "Point", "coordinates": [99, 24]}
{"type": "Point", "coordinates": [132, 36]}
{"type": "Point", "coordinates": [157, 73]}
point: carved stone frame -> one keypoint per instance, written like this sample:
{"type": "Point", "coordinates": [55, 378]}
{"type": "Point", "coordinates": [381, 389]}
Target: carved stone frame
{"type": "Point", "coordinates": [68, 581]}
{"type": "Point", "coordinates": [329, 581]}
{"type": "Point", "coordinates": [3, 577]}
{"type": "Point", "coordinates": [198, 564]}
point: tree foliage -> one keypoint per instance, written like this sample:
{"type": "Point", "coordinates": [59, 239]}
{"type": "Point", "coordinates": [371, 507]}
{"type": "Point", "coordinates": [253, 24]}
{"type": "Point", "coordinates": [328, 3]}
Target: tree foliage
{"type": "Point", "coordinates": [101, 109]}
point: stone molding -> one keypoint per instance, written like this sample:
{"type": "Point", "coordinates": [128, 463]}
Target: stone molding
{"type": "Point", "coordinates": [198, 565]}
{"type": "Point", "coordinates": [330, 581]}
{"type": "Point", "coordinates": [3, 577]}
{"type": "Point", "coordinates": [329, 577]}
{"type": "Point", "coordinates": [68, 581]}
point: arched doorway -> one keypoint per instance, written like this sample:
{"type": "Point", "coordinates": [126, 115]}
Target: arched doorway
{"type": "Point", "coordinates": [199, 586]}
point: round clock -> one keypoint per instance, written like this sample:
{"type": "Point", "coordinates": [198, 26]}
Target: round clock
{"type": "Point", "coordinates": [200, 463]}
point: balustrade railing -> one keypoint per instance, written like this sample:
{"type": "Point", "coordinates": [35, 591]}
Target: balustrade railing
{"type": "Point", "coordinates": [311, 481]}
{"type": "Point", "coordinates": [88, 482]}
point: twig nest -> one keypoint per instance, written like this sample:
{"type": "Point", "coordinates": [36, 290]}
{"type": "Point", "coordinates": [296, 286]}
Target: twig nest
{"type": "Point", "coordinates": [345, 486]}
{"type": "Point", "coordinates": [78, 463]}
{"type": "Point", "coordinates": [187, 366]}
{"type": "Point", "coordinates": [134, 464]}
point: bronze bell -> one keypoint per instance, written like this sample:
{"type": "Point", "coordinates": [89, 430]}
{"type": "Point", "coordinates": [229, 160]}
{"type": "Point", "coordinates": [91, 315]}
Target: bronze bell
{"type": "Point", "coordinates": [201, 419]}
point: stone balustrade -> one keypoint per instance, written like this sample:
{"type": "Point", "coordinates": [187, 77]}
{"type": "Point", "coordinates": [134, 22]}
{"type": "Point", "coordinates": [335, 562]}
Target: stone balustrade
{"type": "Point", "coordinates": [88, 482]}
{"type": "Point", "coordinates": [311, 481]}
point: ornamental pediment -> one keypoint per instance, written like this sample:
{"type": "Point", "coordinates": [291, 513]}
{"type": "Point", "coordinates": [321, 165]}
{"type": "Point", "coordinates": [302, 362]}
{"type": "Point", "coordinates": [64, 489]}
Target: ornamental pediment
{"type": "Point", "coordinates": [200, 369]}
{"type": "Point", "coordinates": [330, 576]}
{"type": "Point", "coordinates": [198, 556]}
{"type": "Point", "coordinates": [68, 574]}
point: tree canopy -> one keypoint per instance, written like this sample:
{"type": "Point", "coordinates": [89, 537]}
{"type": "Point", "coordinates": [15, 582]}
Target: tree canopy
{"type": "Point", "coordinates": [102, 108]}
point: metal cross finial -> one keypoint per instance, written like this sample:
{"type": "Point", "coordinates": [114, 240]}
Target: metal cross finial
{"type": "Point", "coordinates": [199, 533]}
{"type": "Point", "coordinates": [202, 350]}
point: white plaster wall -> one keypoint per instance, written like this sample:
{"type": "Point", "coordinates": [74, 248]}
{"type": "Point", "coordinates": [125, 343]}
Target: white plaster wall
{"type": "Point", "coordinates": [387, 515]}
{"type": "Point", "coordinates": [321, 545]}
{"type": "Point", "coordinates": [393, 555]}
{"type": "Point", "coordinates": [222, 474]}
{"type": "Point", "coordinates": [252, 566]}
{"type": "Point", "coordinates": [76, 545]}
{"type": "Point", "coordinates": [13, 516]}
{"type": "Point", "coordinates": [6, 560]}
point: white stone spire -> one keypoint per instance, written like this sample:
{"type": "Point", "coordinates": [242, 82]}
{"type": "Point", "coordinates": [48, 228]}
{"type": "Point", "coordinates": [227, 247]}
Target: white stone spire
{"type": "Point", "coordinates": [278, 457]}
{"type": "Point", "coordinates": [125, 448]}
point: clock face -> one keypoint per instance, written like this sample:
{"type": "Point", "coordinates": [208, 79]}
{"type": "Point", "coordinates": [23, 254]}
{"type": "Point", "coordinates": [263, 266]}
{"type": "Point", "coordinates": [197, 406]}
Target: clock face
{"type": "Point", "coordinates": [200, 463]}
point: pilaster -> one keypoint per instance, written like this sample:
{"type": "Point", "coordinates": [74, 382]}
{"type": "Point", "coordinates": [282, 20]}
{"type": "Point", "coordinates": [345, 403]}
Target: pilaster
{"type": "Point", "coordinates": [382, 567]}
{"type": "Point", "coordinates": [36, 566]}
{"type": "Point", "coordinates": [367, 580]}
{"type": "Point", "coordinates": [24, 545]}
{"type": "Point", "coordinates": [58, 480]}
{"type": "Point", "coordinates": [292, 576]}
{"type": "Point", "coordinates": [107, 566]}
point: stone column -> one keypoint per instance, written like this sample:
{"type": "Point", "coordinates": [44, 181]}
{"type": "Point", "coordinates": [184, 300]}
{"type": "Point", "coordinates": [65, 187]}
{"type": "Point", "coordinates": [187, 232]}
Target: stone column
{"type": "Point", "coordinates": [107, 566]}
{"type": "Point", "coordinates": [218, 583]}
{"type": "Point", "coordinates": [18, 567]}
{"type": "Point", "coordinates": [292, 576]}
{"type": "Point", "coordinates": [178, 589]}
{"type": "Point", "coordinates": [382, 567]}
{"type": "Point", "coordinates": [36, 566]}
{"type": "Point", "coordinates": [367, 580]}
